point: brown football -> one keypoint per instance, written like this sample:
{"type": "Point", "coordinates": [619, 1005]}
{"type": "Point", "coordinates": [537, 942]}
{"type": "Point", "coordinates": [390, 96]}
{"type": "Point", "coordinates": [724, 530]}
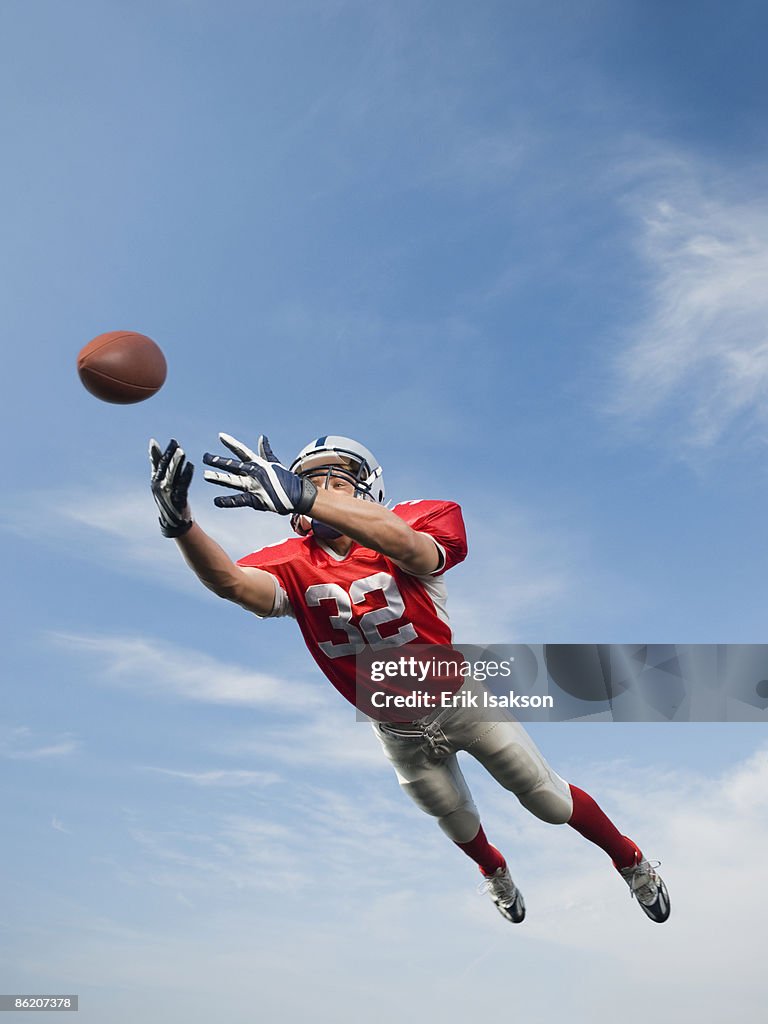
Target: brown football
{"type": "Point", "coordinates": [122, 367]}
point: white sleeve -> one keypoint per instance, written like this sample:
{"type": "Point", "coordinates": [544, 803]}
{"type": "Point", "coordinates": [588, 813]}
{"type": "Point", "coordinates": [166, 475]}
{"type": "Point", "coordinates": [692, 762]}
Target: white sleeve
{"type": "Point", "coordinates": [281, 605]}
{"type": "Point", "coordinates": [441, 553]}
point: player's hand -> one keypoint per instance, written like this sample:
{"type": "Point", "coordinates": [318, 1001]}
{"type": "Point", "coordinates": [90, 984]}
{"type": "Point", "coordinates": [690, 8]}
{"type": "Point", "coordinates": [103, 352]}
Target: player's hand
{"type": "Point", "coordinates": [244, 453]}
{"type": "Point", "coordinates": [266, 484]}
{"type": "Point", "coordinates": [171, 477]}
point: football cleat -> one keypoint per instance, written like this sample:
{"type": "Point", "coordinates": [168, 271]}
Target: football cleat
{"type": "Point", "coordinates": [648, 888]}
{"type": "Point", "coordinates": [505, 894]}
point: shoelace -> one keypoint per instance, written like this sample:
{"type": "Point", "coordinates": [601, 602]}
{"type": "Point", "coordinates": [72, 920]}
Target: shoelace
{"type": "Point", "coordinates": [645, 892]}
{"type": "Point", "coordinates": [500, 886]}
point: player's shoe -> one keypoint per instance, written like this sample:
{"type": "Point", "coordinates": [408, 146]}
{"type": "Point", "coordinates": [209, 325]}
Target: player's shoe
{"type": "Point", "coordinates": [648, 888]}
{"type": "Point", "coordinates": [505, 894]}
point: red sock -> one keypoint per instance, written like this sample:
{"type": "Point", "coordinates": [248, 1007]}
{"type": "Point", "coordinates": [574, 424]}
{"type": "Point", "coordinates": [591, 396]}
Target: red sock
{"type": "Point", "coordinates": [482, 853]}
{"type": "Point", "coordinates": [595, 825]}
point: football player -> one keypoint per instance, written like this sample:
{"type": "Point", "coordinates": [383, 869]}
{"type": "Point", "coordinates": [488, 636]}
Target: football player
{"type": "Point", "coordinates": [357, 575]}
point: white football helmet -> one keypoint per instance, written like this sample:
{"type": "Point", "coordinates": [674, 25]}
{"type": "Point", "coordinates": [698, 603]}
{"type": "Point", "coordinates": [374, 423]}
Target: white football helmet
{"type": "Point", "coordinates": [359, 465]}
{"type": "Point", "coordinates": [341, 457]}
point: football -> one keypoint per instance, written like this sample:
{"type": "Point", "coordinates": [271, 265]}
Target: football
{"type": "Point", "coordinates": [122, 367]}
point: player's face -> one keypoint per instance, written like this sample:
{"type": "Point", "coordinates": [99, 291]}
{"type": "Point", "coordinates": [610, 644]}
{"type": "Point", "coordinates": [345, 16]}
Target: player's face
{"type": "Point", "coordinates": [321, 477]}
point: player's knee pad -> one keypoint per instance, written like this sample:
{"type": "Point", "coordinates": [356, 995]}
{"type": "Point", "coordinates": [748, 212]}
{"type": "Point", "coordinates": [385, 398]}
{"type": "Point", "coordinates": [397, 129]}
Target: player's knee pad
{"type": "Point", "coordinates": [433, 796]}
{"type": "Point", "coordinates": [461, 825]}
{"type": "Point", "coordinates": [548, 802]}
{"type": "Point", "coordinates": [514, 767]}
{"type": "Point", "coordinates": [520, 768]}
{"type": "Point", "coordinates": [454, 808]}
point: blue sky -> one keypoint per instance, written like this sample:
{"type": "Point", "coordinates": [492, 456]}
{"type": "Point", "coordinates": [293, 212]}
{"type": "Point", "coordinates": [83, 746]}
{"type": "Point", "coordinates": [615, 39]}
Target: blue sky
{"type": "Point", "coordinates": [521, 251]}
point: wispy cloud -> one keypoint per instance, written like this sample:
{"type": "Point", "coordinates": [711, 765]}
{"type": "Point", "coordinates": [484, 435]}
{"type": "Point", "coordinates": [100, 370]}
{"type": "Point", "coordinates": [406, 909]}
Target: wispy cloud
{"type": "Point", "coordinates": [689, 821]}
{"type": "Point", "coordinates": [323, 730]}
{"type": "Point", "coordinates": [155, 668]}
{"type": "Point", "coordinates": [387, 878]}
{"type": "Point", "coordinates": [534, 577]}
{"type": "Point", "coordinates": [529, 576]}
{"type": "Point", "coordinates": [312, 835]}
{"type": "Point", "coordinates": [220, 777]}
{"type": "Point", "coordinates": [329, 740]}
{"type": "Point", "coordinates": [120, 531]}
{"type": "Point", "coordinates": [20, 743]}
{"type": "Point", "coordinates": [698, 357]}
{"type": "Point", "coordinates": [234, 853]}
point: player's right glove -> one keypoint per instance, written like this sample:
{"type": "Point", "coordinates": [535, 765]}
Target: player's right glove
{"type": "Point", "coordinates": [171, 477]}
{"type": "Point", "coordinates": [266, 484]}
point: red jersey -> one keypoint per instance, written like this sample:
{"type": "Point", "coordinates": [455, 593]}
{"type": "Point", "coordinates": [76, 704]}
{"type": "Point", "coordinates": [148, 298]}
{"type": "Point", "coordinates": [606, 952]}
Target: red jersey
{"type": "Point", "coordinates": [343, 604]}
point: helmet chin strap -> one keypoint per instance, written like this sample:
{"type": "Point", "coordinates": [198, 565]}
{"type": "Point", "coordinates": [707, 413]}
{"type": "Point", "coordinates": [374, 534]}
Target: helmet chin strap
{"type": "Point", "coordinates": [323, 531]}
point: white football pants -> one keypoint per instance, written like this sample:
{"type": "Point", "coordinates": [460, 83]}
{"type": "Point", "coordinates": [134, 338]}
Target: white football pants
{"type": "Point", "coordinates": [424, 759]}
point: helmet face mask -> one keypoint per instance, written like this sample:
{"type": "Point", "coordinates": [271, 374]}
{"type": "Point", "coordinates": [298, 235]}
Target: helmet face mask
{"type": "Point", "coordinates": [343, 458]}
{"type": "Point", "coordinates": [321, 477]}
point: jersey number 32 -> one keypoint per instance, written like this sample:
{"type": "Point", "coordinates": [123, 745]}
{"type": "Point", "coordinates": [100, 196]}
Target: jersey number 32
{"type": "Point", "coordinates": [367, 630]}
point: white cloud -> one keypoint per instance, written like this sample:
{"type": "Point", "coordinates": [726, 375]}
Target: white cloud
{"type": "Point", "coordinates": [709, 832]}
{"type": "Point", "coordinates": [233, 853]}
{"type": "Point", "coordinates": [530, 574]}
{"type": "Point", "coordinates": [323, 731]}
{"type": "Point", "coordinates": [699, 353]}
{"type": "Point", "coordinates": [120, 531]}
{"type": "Point", "coordinates": [329, 740]}
{"type": "Point", "coordinates": [20, 743]}
{"type": "Point", "coordinates": [534, 573]}
{"type": "Point", "coordinates": [220, 777]}
{"type": "Point", "coordinates": [155, 668]}
{"type": "Point", "coordinates": [363, 872]}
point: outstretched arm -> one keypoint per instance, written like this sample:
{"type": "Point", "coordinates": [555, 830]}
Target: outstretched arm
{"type": "Point", "coordinates": [378, 528]}
{"type": "Point", "coordinates": [253, 589]}
{"type": "Point", "coordinates": [268, 486]}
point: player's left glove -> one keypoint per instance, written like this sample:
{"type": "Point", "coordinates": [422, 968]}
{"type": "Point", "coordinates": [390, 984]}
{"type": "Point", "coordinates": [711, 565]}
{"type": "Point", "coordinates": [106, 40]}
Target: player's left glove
{"type": "Point", "coordinates": [266, 484]}
{"type": "Point", "coordinates": [171, 477]}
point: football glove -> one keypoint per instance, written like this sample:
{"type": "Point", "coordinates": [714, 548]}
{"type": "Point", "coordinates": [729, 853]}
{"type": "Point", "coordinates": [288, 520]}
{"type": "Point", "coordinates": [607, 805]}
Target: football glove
{"type": "Point", "coordinates": [266, 484]}
{"type": "Point", "coordinates": [171, 477]}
